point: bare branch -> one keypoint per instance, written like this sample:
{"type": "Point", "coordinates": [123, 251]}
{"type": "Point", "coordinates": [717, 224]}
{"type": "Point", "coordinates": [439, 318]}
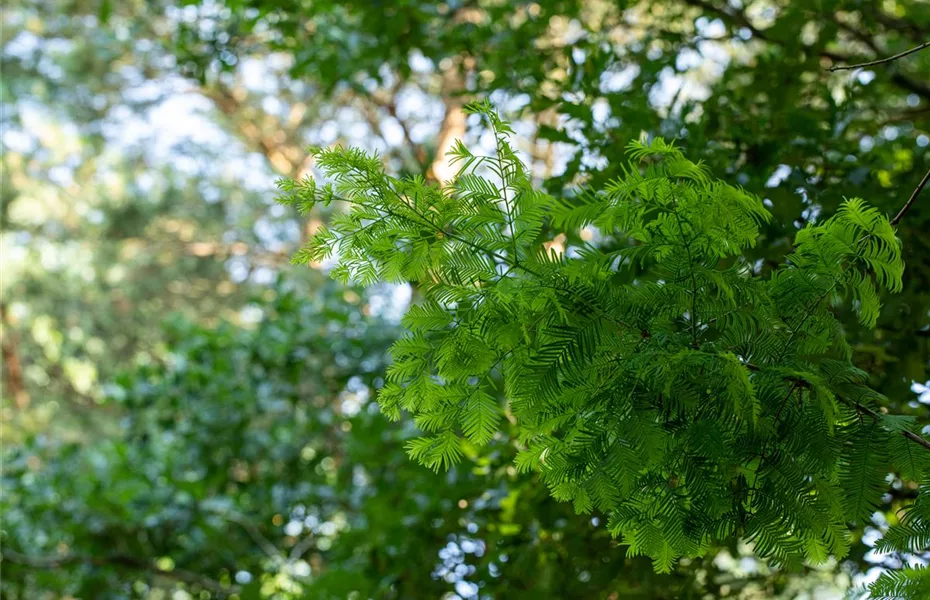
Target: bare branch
{"type": "Point", "coordinates": [907, 205]}
{"type": "Point", "coordinates": [301, 547]}
{"type": "Point", "coordinates": [868, 411]}
{"type": "Point", "coordinates": [264, 543]}
{"type": "Point", "coordinates": [881, 60]}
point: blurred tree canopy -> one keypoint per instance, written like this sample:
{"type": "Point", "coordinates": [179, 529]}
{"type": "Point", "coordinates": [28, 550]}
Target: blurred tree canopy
{"type": "Point", "coordinates": [251, 462]}
{"type": "Point", "coordinates": [140, 144]}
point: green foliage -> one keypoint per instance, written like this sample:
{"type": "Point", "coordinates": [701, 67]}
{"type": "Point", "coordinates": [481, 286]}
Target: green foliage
{"type": "Point", "coordinates": [897, 585]}
{"type": "Point", "coordinates": [753, 99]}
{"type": "Point", "coordinates": [236, 430]}
{"type": "Point", "coordinates": [256, 451]}
{"type": "Point", "coordinates": [666, 383]}
{"type": "Point", "coordinates": [912, 533]}
{"type": "Point", "coordinates": [104, 231]}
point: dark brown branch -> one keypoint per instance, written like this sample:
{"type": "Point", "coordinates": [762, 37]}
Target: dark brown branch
{"type": "Point", "coordinates": [907, 205]}
{"type": "Point", "coordinates": [868, 411]}
{"type": "Point", "coordinates": [879, 61]}
{"type": "Point", "coordinates": [130, 562]}
{"type": "Point", "coordinates": [864, 409]}
{"type": "Point", "coordinates": [897, 78]}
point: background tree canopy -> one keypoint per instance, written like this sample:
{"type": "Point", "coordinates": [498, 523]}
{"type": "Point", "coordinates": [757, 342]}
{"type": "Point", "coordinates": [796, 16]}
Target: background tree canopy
{"type": "Point", "coordinates": [186, 414]}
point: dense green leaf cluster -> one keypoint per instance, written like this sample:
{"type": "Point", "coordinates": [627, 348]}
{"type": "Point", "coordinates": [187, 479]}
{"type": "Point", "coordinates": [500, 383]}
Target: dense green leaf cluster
{"type": "Point", "coordinates": [665, 383]}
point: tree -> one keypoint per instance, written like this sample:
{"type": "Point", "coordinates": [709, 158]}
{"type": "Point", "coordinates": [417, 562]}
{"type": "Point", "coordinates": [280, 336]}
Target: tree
{"type": "Point", "coordinates": [735, 85]}
{"type": "Point", "coordinates": [743, 86]}
{"type": "Point", "coordinates": [98, 231]}
{"type": "Point", "coordinates": [665, 384]}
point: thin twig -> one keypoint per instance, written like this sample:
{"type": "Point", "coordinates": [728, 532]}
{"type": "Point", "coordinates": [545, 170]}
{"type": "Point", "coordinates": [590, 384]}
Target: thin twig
{"type": "Point", "coordinates": [301, 547]}
{"type": "Point", "coordinates": [881, 60]}
{"type": "Point", "coordinates": [762, 457]}
{"type": "Point", "coordinates": [253, 531]}
{"type": "Point", "coordinates": [907, 205]}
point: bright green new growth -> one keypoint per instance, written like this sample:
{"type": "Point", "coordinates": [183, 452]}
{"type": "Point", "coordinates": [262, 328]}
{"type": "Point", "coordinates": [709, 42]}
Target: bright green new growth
{"type": "Point", "coordinates": [666, 384]}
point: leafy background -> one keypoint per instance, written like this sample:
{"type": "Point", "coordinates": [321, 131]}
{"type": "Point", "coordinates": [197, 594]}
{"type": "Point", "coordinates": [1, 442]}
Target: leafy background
{"type": "Point", "coordinates": [185, 413]}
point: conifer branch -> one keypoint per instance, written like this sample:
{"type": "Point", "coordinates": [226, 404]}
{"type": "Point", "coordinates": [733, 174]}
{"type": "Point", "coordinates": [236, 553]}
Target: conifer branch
{"type": "Point", "coordinates": [423, 220]}
{"type": "Point", "coordinates": [605, 413]}
{"type": "Point", "coordinates": [807, 313]}
{"type": "Point", "coordinates": [428, 222]}
{"type": "Point", "coordinates": [507, 203]}
{"type": "Point", "coordinates": [484, 378]}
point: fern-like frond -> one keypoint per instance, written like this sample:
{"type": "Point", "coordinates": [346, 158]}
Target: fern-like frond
{"type": "Point", "coordinates": [663, 383]}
